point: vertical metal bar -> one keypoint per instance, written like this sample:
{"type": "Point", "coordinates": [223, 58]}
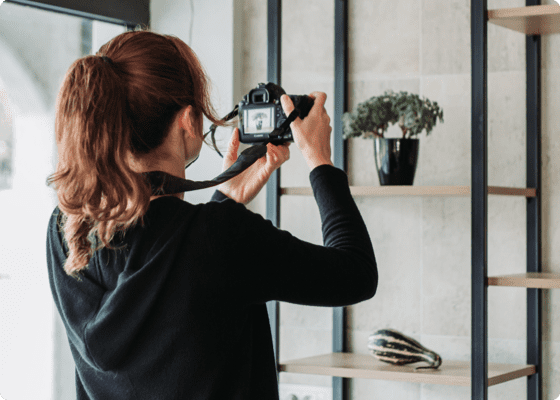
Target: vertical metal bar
{"type": "Point", "coordinates": [341, 79]}
{"type": "Point", "coordinates": [86, 32]}
{"type": "Point", "coordinates": [340, 385]}
{"type": "Point", "coordinates": [273, 185]}
{"type": "Point", "coordinates": [479, 335]}
{"type": "Point", "coordinates": [274, 41]}
{"type": "Point", "coordinates": [534, 334]}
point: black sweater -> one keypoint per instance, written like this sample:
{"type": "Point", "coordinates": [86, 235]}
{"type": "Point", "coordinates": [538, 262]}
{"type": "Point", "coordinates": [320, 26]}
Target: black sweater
{"type": "Point", "coordinates": [178, 312]}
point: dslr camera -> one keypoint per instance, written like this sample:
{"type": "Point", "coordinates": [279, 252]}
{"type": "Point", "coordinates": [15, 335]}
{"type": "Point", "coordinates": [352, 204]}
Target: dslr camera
{"type": "Point", "coordinates": [261, 115]}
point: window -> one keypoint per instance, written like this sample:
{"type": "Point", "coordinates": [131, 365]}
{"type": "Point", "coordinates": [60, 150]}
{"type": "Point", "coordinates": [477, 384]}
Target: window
{"type": "Point", "coordinates": [37, 47]}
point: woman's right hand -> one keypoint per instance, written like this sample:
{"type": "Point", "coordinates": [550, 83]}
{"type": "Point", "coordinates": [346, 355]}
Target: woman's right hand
{"type": "Point", "coordinates": [312, 135]}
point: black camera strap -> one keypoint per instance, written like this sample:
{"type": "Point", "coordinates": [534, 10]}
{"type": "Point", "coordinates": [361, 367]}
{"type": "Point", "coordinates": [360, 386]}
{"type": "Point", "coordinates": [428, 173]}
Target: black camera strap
{"type": "Point", "coordinates": [276, 133]}
{"type": "Point", "coordinates": [163, 183]}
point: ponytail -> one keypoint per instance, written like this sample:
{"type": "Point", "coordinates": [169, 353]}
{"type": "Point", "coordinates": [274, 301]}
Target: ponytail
{"type": "Point", "coordinates": [97, 190]}
{"type": "Point", "coordinates": [119, 103]}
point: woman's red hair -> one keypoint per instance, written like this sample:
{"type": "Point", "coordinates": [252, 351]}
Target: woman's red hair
{"type": "Point", "coordinates": [106, 110]}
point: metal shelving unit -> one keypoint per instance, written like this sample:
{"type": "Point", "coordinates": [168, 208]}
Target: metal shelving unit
{"type": "Point", "coordinates": [532, 20]}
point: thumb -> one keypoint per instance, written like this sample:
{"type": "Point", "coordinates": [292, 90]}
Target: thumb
{"type": "Point", "coordinates": [287, 104]}
{"type": "Point", "coordinates": [231, 155]}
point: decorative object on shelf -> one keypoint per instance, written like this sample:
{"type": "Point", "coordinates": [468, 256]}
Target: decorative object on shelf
{"type": "Point", "coordinates": [395, 159]}
{"type": "Point", "coordinates": [393, 347]}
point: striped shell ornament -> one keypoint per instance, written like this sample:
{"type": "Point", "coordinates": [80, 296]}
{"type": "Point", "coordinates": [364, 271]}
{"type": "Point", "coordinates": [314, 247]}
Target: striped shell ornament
{"type": "Point", "coordinates": [396, 348]}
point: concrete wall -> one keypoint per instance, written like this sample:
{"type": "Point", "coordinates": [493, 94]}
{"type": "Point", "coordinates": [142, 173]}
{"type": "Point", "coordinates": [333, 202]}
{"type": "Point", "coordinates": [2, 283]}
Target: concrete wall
{"type": "Point", "coordinates": [422, 245]}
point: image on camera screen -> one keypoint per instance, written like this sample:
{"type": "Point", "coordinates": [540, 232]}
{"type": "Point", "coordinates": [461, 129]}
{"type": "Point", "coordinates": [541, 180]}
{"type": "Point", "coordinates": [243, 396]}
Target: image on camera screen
{"type": "Point", "coordinates": [259, 120]}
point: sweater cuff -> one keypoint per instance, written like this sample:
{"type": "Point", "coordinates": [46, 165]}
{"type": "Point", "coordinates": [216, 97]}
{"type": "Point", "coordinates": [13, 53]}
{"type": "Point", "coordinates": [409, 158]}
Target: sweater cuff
{"type": "Point", "coordinates": [329, 184]}
{"type": "Point", "coordinates": [327, 172]}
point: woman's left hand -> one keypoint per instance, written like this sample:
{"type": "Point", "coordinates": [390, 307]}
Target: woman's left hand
{"type": "Point", "coordinates": [244, 187]}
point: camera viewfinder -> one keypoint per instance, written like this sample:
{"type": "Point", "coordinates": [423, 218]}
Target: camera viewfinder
{"type": "Point", "coordinates": [260, 97]}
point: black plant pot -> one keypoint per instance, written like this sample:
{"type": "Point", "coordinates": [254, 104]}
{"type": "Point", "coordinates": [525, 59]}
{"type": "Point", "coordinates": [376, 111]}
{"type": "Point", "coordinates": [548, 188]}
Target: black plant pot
{"type": "Point", "coordinates": [396, 160]}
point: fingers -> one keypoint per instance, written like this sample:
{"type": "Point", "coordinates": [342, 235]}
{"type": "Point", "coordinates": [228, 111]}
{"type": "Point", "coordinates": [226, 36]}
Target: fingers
{"type": "Point", "coordinates": [277, 155]}
{"type": "Point", "coordinates": [320, 98]}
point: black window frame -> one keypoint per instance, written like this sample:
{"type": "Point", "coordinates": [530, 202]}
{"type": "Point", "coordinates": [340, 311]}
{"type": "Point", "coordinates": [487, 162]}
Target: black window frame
{"type": "Point", "coordinates": [128, 12]}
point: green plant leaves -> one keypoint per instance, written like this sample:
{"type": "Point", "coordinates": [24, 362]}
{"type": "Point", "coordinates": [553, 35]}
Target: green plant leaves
{"type": "Point", "coordinates": [374, 116]}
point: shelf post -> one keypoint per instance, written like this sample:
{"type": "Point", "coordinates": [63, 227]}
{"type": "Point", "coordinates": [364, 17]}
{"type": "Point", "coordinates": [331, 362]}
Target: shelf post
{"type": "Point", "coordinates": [274, 33]}
{"type": "Point", "coordinates": [341, 80]}
{"type": "Point", "coordinates": [479, 208]}
{"type": "Point", "coordinates": [534, 254]}
{"type": "Point", "coordinates": [340, 385]}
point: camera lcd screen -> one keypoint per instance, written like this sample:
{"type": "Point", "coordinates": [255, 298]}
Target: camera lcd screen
{"type": "Point", "coordinates": [259, 120]}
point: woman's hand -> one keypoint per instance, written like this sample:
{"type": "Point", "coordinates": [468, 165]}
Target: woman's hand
{"type": "Point", "coordinates": [244, 187]}
{"type": "Point", "coordinates": [312, 134]}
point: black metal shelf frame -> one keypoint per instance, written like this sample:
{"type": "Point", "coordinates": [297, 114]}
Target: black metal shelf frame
{"type": "Point", "coordinates": [479, 197]}
{"type": "Point", "coordinates": [274, 34]}
{"type": "Point", "coordinates": [340, 385]}
{"type": "Point", "coordinates": [534, 220]}
{"type": "Point", "coordinates": [479, 339]}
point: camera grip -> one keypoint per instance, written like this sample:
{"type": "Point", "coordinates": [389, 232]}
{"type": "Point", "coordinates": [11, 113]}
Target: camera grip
{"type": "Point", "coordinates": [303, 103]}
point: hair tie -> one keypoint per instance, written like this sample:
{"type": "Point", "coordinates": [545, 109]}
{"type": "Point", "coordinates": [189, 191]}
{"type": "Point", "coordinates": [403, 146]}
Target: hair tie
{"type": "Point", "coordinates": [107, 60]}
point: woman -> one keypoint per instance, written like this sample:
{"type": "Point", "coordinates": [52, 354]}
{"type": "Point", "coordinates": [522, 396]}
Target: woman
{"type": "Point", "coordinates": [162, 299]}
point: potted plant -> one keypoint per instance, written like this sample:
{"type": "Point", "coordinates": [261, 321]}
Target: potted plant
{"type": "Point", "coordinates": [395, 159]}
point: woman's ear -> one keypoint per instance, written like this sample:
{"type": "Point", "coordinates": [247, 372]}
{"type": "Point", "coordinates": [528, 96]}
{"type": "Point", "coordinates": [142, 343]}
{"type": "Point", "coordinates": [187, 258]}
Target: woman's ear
{"type": "Point", "coordinates": [188, 121]}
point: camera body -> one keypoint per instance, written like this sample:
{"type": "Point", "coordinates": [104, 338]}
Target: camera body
{"type": "Point", "coordinates": [260, 113]}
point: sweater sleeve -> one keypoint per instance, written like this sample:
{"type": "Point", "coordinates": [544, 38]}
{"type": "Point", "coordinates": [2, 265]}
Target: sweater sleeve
{"type": "Point", "coordinates": [261, 262]}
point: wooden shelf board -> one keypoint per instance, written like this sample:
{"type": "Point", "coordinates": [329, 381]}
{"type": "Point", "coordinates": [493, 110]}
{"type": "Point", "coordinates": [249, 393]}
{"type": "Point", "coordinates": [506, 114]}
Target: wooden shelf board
{"type": "Point", "coordinates": [350, 365]}
{"type": "Point", "coordinates": [536, 280]}
{"type": "Point", "coordinates": [416, 191]}
{"type": "Point", "coordinates": [531, 20]}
